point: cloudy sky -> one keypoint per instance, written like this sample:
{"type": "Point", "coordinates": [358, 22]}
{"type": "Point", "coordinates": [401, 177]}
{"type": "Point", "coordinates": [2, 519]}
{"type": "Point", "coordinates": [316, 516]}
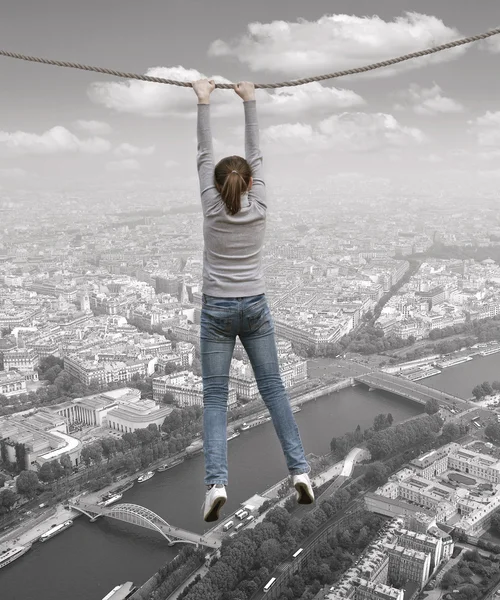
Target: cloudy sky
{"type": "Point", "coordinates": [437, 118]}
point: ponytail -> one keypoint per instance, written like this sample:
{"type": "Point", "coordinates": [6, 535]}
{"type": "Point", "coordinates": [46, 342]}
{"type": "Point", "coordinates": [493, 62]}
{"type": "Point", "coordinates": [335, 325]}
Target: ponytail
{"type": "Point", "coordinates": [232, 177]}
{"type": "Point", "coordinates": [232, 190]}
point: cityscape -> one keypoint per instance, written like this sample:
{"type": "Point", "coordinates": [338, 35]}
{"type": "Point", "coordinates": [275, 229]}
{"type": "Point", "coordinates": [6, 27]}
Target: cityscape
{"type": "Point", "coordinates": [381, 263]}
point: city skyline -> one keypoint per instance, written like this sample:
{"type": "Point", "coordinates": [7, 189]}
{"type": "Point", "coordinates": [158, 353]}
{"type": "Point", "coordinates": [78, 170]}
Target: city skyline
{"type": "Point", "coordinates": [432, 118]}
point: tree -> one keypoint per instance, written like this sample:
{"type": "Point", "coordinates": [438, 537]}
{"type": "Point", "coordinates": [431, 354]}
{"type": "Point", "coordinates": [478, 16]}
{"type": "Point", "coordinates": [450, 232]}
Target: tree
{"type": "Point", "coordinates": [57, 469]}
{"type": "Point", "coordinates": [492, 431]}
{"type": "Point", "coordinates": [431, 406]}
{"type": "Point", "coordinates": [376, 474]}
{"type": "Point", "coordinates": [45, 473]}
{"type": "Point", "coordinates": [7, 499]}
{"type": "Point", "coordinates": [196, 367]}
{"type": "Point", "coordinates": [3, 479]}
{"type": "Point", "coordinates": [477, 392]}
{"type": "Point", "coordinates": [52, 373]}
{"type": "Point", "coordinates": [170, 368]}
{"type": "Point", "coordinates": [168, 398]}
{"type": "Point", "coordinates": [27, 483]}
{"type": "Point", "coordinates": [380, 422]}
{"type": "Point", "coordinates": [495, 522]}
{"type": "Point", "coordinates": [65, 461]}
{"type": "Point", "coordinates": [487, 389]}
{"type": "Point", "coordinates": [20, 456]}
{"type": "Point", "coordinates": [451, 431]}
{"type": "Point", "coordinates": [450, 579]}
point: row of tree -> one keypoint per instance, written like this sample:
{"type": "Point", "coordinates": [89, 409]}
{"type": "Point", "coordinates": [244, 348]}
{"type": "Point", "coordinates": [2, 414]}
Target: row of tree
{"type": "Point", "coordinates": [477, 331]}
{"type": "Point", "coordinates": [248, 560]}
{"type": "Point", "coordinates": [109, 455]}
{"type": "Point", "coordinates": [485, 389]}
{"type": "Point", "coordinates": [340, 446]}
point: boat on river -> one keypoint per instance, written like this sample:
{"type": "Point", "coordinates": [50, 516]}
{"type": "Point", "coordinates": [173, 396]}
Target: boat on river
{"type": "Point", "coordinates": [145, 477]}
{"type": "Point", "coordinates": [55, 530]}
{"type": "Point", "coordinates": [121, 592]}
{"type": "Point", "coordinates": [167, 466]}
{"type": "Point", "coordinates": [110, 499]}
{"type": "Point", "coordinates": [12, 554]}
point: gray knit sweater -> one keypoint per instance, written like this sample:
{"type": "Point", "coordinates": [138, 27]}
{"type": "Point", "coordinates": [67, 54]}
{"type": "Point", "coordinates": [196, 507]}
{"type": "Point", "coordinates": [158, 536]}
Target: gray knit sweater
{"type": "Point", "coordinates": [232, 257]}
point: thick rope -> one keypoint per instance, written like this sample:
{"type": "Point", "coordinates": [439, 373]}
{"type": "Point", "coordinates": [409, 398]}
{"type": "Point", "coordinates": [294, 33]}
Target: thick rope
{"type": "Point", "coordinates": [230, 86]}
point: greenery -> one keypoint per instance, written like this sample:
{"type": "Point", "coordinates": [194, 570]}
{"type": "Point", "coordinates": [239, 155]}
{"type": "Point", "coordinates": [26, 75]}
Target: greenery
{"type": "Point", "coordinates": [7, 500]}
{"type": "Point", "coordinates": [473, 576]}
{"type": "Point", "coordinates": [492, 431]}
{"type": "Point", "coordinates": [108, 456]}
{"type": "Point", "coordinates": [28, 484]}
{"type": "Point", "coordinates": [247, 561]}
{"type": "Point", "coordinates": [495, 522]}
{"type": "Point", "coordinates": [341, 446]}
{"type": "Point", "coordinates": [477, 331]}
{"type": "Point", "coordinates": [60, 386]}
{"type": "Point", "coordinates": [431, 406]}
{"type": "Point", "coordinates": [485, 389]}
{"type": "Point", "coordinates": [175, 572]}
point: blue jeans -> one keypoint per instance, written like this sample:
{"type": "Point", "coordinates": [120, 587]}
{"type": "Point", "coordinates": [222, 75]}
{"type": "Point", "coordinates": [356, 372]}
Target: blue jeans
{"type": "Point", "coordinates": [222, 319]}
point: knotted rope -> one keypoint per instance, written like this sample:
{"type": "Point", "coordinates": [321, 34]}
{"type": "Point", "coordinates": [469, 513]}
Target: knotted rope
{"type": "Point", "coordinates": [268, 86]}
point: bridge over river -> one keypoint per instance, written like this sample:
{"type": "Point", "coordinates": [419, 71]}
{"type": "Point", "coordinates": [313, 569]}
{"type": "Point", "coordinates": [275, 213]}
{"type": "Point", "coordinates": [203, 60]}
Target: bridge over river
{"type": "Point", "coordinates": [378, 380]}
{"type": "Point", "coordinates": [143, 517]}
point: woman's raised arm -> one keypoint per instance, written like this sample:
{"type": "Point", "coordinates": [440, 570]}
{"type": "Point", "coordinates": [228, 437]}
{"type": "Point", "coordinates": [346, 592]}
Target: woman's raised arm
{"type": "Point", "coordinates": [246, 91]}
{"type": "Point", "coordinates": [205, 157]}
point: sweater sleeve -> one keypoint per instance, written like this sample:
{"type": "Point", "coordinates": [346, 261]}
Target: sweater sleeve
{"type": "Point", "coordinates": [253, 153]}
{"type": "Point", "coordinates": [205, 160]}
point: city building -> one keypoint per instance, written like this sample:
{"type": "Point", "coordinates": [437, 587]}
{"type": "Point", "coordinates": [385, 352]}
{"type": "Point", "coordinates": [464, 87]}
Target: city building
{"type": "Point", "coordinates": [43, 436]}
{"type": "Point", "coordinates": [122, 410]}
{"type": "Point", "coordinates": [12, 383]}
{"type": "Point", "coordinates": [186, 389]}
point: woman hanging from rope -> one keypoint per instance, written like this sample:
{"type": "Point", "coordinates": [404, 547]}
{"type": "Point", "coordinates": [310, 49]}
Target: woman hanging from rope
{"type": "Point", "coordinates": [233, 198]}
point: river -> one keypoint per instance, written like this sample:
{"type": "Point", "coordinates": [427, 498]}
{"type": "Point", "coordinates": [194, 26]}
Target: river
{"type": "Point", "coordinates": [89, 559]}
{"type": "Point", "coordinates": [460, 380]}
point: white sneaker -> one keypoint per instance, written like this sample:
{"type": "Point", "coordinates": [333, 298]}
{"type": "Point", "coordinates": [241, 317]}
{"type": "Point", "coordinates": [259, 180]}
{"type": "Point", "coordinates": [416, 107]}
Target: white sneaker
{"type": "Point", "coordinates": [302, 484]}
{"type": "Point", "coordinates": [214, 500]}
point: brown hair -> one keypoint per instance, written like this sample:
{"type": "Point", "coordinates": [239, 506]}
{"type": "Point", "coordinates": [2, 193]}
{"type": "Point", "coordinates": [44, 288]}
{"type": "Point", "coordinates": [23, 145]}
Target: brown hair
{"type": "Point", "coordinates": [232, 178]}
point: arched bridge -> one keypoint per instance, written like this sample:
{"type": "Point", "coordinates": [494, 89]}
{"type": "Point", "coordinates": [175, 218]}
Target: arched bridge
{"type": "Point", "coordinates": [412, 390]}
{"type": "Point", "coordinates": [143, 517]}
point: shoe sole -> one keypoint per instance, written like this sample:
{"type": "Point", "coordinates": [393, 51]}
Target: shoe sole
{"type": "Point", "coordinates": [213, 514]}
{"type": "Point", "coordinates": [304, 495]}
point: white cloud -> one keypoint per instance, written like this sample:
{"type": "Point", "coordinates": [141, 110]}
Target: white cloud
{"type": "Point", "coordinates": [170, 164]}
{"type": "Point", "coordinates": [158, 100]}
{"type": "Point", "coordinates": [492, 44]}
{"type": "Point", "coordinates": [352, 132]}
{"type": "Point", "coordinates": [312, 98]}
{"type": "Point", "coordinates": [489, 155]}
{"type": "Point", "coordinates": [432, 158]}
{"type": "Point", "coordinates": [127, 164]}
{"type": "Point", "coordinates": [126, 150]}
{"type": "Point", "coordinates": [487, 129]}
{"type": "Point", "coordinates": [13, 173]}
{"type": "Point", "coordinates": [54, 141]}
{"type": "Point", "coordinates": [153, 99]}
{"type": "Point", "coordinates": [427, 101]}
{"type": "Point", "coordinates": [493, 174]}
{"type": "Point", "coordinates": [338, 42]}
{"type": "Point", "coordinates": [93, 127]}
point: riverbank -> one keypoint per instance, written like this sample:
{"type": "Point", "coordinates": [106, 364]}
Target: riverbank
{"type": "Point", "coordinates": [28, 533]}
{"type": "Point", "coordinates": [342, 468]}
